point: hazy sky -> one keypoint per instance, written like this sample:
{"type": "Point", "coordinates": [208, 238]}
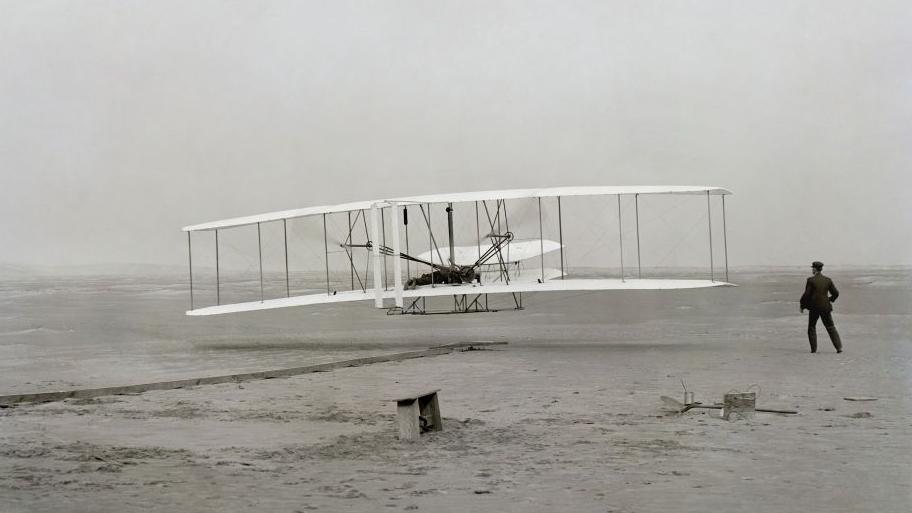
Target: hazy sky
{"type": "Point", "coordinates": [122, 121]}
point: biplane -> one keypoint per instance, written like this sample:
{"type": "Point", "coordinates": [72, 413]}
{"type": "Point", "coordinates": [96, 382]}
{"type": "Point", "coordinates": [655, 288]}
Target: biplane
{"type": "Point", "coordinates": [490, 259]}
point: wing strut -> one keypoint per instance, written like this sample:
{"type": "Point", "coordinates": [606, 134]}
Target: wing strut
{"type": "Point", "coordinates": [347, 245]}
{"type": "Point", "coordinates": [378, 285]}
{"type": "Point", "coordinates": [477, 231]}
{"type": "Point", "coordinates": [408, 270]}
{"type": "Point", "coordinates": [368, 237]}
{"type": "Point", "coordinates": [433, 241]}
{"type": "Point", "coordinates": [506, 224]}
{"type": "Point", "coordinates": [710, 219]}
{"type": "Point", "coordinates": [621, 237]}
{"type": "Point", "coordinates": [285, 234]}
{"type": "Point", "coordinates": [725, 237]}
{"type": "Point", "coordinates": [397, 262]}
{"type": "Point", "coordinates": [260, 253]}
{"type": "Point", "coordinates": [503, 267]}
{"type": "Point", "coordinates": [560, 235]}
{"type": "Point", "coordinates": [351, 268]}
{"type": "Point", "coordinates": [351, 262]}
{"type": "Point", "coordinates": [218, 298]}
{"type": "Point", "coordinates": [541, 241]}
{"type": "Point", "coordinates": [449, 211]}
{"type": "Point", "coordinates": [636, 209]}
{"type": "Point", "coordinates": [383, 238]}
{"type": "Point", "coordinates": [326, 254]}
{"type": "Point", "coordinates": [190, 258]}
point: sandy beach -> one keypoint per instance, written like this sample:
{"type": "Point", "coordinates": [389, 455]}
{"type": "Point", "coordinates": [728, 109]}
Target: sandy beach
{"type": "Point", "coordinates": [566, 416]}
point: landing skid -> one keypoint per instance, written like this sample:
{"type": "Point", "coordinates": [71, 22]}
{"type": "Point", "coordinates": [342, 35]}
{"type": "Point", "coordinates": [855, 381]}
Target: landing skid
{"type": "Point", "coordinates": [462, 303]}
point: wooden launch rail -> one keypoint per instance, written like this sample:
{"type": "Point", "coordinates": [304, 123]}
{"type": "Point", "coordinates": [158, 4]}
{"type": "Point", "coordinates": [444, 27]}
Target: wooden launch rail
{"type": "Point", "coordinates": [86, 393]}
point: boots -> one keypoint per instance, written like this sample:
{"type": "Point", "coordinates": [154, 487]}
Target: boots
{"type": "Point", "coordinates": [834, 338]}
{"type": "Point", "coordinates": [812, 338]}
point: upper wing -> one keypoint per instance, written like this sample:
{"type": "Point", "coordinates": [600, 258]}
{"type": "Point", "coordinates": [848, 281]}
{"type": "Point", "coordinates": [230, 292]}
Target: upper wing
{"type": "Point", "coordinates": [551, 192]}
{"type": "Point", "coordinates": [278, 216]}
{"type": "Point", "coordinates": [459, 197]}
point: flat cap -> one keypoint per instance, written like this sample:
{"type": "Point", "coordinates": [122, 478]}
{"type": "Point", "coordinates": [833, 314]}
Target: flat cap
{"type": "Point", "coordinates": [817, 265]}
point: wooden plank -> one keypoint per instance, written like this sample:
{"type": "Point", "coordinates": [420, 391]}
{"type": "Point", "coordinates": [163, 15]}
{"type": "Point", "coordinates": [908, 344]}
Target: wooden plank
{"type": "Point", "coordinates": [86, 393]}
{"type": "Point", "coordinates": [413, 396]}
{"type": "Point", "coordinates": [430, 410]}
{"type": "Point", "coordinates": [407, 418]}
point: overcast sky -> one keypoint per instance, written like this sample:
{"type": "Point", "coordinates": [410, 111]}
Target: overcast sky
{"type": "Point", "coordinates": [121, 121]}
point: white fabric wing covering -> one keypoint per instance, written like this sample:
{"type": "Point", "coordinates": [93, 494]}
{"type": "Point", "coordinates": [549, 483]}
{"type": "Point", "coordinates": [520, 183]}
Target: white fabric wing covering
{"type": "Point", "coordinates": [468, 289]}
{"type": "Point", "coordinates": [458, 198]}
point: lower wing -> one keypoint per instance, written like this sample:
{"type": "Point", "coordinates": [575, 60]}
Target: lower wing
{"type": "Point", "coordinates": [553, 285]}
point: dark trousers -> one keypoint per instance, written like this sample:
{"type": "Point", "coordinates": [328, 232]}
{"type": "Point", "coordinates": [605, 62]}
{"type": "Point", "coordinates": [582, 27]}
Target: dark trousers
{"type": "Point", "coordinates": [827, 318]}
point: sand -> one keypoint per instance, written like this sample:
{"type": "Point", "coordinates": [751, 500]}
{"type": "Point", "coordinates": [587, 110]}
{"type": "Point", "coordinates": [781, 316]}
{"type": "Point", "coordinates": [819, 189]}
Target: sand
{"type": "Point", "coordinates": [567, 416]}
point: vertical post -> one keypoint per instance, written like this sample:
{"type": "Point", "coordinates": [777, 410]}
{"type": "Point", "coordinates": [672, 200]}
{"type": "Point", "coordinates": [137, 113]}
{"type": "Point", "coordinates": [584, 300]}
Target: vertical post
{"type": "Point", "coordinates": [397, 261]}
{"type": "Point", "coordinates": [560, 235]}
{"type": "Point", "coordinates": [383, 236]}
{"type": "Point", "coordinates": [506, 225]}
{"type": "Point", "coordinates": [408, 268]}
{"type": "Point", "coordinates": [218, 297]}
{"type": "Point", "coordinates": [431, 242]}
{"type": "Point", "coordinates": [620, 237]}
{"type": "Point", "coordinates": [477, 231]}
{"type": "Point", "coordinates": [260, 252]}
{"type": "Point", "coordinates": [725, 237]}
{"type": "Point", "coordinates": [378, 291]}
{"type": "Point", "coordinates": [541, 241]}
{"type": "Point", "coordinates": [500, 232]}
{"type": "Point", "coordinates": [709, 218]}
{"type": "Point", "coordinates": [285, 236]}
{"type": "Point", "coordinates": [367, 236]}
{"type": "Point", "coordinates": [450, 231]}
{"type": "Point", "coordinates": [190, 258]}
{"type": "Point", "coordinates": [636, 206]}
{"type": "Point", "coordinates": [326, 254]}
{"type": "Point", "coordinates": [351, 268]}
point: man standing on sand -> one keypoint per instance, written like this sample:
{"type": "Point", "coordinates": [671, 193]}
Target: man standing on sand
{"type": "Point", "coordinates": [817, 301]}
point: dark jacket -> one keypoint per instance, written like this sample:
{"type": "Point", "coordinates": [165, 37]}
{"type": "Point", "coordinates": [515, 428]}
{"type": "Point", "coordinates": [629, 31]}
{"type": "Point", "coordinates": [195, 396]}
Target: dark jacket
{"type": "Point", "coordinates": [815, 294]}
